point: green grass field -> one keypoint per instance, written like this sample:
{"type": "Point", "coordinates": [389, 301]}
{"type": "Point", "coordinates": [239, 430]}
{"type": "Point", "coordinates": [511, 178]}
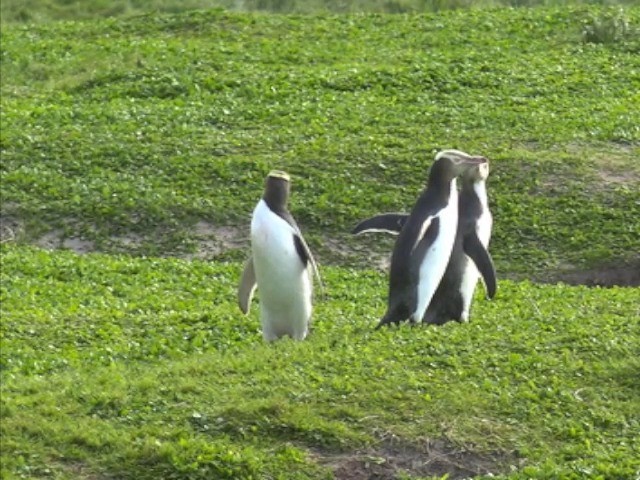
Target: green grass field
{"type": "Point", "coordinates": [144, 142]}
{"type": "Point", "coordinates": [22, 11]}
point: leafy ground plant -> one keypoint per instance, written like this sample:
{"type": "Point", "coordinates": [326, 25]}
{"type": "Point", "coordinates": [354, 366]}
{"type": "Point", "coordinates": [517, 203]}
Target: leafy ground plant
{"type": "Point", "coordinates": [115, 367]}
{"type": "Point", "coordinates": [148, 139]}
{"type": "Point", "coordinates": [27, 11]}
{"type": "Point", "coordinates": [153, 134]}
{"type": "Point", "coordinates": [606, 28]}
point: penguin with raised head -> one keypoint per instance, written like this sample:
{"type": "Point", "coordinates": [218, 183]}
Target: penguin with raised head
{"type": "Point", "coordinates": [281, 265]}
{"type": "Point", "coordinates": [425, 241]}
{"type": "Point", "coordinates": [469, 258]}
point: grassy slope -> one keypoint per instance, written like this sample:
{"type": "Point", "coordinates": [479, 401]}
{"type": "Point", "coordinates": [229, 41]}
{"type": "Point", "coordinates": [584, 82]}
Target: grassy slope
{"type": "Point", "coordinates": [115, 367]}
{"type": "Point", "coordinates": [146, 126]}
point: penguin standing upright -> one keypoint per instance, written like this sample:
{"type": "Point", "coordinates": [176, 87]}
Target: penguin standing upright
{"type": "Point", "coordinates": [423, 248]}
{"type": "Point", "coordinates": [281, 265]}
{"type": "Point", "coordinates": [469, 257]}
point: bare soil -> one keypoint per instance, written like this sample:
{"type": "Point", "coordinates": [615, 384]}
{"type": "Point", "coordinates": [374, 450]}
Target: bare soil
{"type": "Point", "coordinates": [213, 241]}
{"type": "Point", "coordinates": [392, 459]}
{"type": "Point", "coordinates": [626, 274]}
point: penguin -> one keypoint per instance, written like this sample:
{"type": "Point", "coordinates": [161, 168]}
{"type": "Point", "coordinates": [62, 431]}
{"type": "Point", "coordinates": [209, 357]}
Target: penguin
{"type": "Point", "coordinates": [472, 259]}
{"type": "Point", "coordinates": [469, 258]}
{"type": "Point", "coordinates": [426, 238]}
{"type": "Point", "coordinates": [281, 265]}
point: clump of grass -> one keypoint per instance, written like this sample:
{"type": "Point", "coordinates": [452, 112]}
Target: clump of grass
{"type": "Point", "coordinates": [606, 28]}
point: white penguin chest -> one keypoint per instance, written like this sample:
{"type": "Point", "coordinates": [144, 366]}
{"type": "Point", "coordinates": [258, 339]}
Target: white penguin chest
{"type": "Point", "coordinates": [484, 223]}
{"type": "Point", "coordinates": [284, 283]}
{"type": "Point", "coordinates": [448, 218]}
{"type": "Point", "coordinates": [272, 243]}
{"type": "Point", "coordinates": [483, 226]}
{"type": "Point", "coordinates": [435, 261]}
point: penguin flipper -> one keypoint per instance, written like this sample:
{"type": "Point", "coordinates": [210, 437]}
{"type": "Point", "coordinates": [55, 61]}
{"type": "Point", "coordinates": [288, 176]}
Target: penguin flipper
{"type": "Point", "coordinates": [482, 258]}
{"type": "Point", "coordinates": [386, 223]}
{"type": "Point", "coordinates": [425, 237]}
{"type": "Point", "coordinates": [247, 286]}
{"type": "Point", "coordinates": [304, 252]}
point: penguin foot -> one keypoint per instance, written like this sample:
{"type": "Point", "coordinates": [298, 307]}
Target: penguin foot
{"type": "Point", "coordinates": [386, 322]}
{"type": "Point", "coordinates": [381, 324]}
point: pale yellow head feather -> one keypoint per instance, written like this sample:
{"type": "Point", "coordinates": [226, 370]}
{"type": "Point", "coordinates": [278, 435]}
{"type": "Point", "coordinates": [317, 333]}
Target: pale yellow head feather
{"type": "Point", "coordinates": [279, 174]}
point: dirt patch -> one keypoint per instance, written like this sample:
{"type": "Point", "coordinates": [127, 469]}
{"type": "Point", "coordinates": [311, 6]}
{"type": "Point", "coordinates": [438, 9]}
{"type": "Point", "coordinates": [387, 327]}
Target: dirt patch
{"type": "Point", "coordinates": [80, 471]}
{"type": "Point", "coordinates": [211, 240]}
{"type": "Point", "coordinates": [346, 249]}
{"type": "Point", "coordinates": [614, 171]}
{"type": "Point", "coordinates": [131, 241]}
{"type": "Point", "coordinates": [233, 242]}
{"type": "Point", "coordinates": [215, 240]}
{"type": "Point", "coordinates": [392, 460]}
{"type": "Point", "coordinates": [623, 275]}
{"type": "Point", "coordinates": [78, 245]}
{"type": "Point", "coordinates": [616, 165]}
{"type": "Point", "coordinates": [619, 177]}
{"type": "Point", "coordinates": [50, 240]}
{"type": "Point", "coordinates": [10, 229]}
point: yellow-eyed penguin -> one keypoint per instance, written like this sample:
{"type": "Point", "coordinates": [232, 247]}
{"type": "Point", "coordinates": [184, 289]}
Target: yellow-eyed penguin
{"type": "Point", "coordinates": [472, 258]}
{"type": "Point", "coordinates": [423, 248]}
{"type": "Point", "coordinates": [469, 258]}
{"type": "Point", "coordinates": [281, 265]}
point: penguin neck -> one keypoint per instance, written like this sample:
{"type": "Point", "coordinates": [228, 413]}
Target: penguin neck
{"type": "Point", "coordinates": [480, 187]}
{"type": "Point", "coordinates": [276, 195]}
{"type": "Point", "coordinates": [445, 186]}
{"type": "Point", "coordinates": [276, 203]}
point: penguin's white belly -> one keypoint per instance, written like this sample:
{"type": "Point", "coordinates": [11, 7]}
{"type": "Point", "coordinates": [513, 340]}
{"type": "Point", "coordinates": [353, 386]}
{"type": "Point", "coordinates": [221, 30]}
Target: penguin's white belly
{"type": "Point", "coordinates": [284, 282]}
{"type": "Point", "coordinates": [437, 257]}
{"type": "Point", "coordinates": [471, 274]}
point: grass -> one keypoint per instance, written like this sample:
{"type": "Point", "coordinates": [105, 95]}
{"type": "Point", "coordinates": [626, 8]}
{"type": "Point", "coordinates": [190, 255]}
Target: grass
{"type": "Point", "coordinates": [141, 128]}
{"type": "Point", "coordinates": [136, 135]}
{"type": "Point", "coordinates": [32, 11]}
{"type": "Point", "coordinates": [143, 368]}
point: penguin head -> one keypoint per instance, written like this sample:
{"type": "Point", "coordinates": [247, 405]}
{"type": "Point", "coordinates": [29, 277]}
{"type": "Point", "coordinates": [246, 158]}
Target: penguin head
{"type": "Point", "coordinates": [450, 164]}
{"type": "Point", "coordinates": [276, 190]}
{"type": "Point", "coordinates": [479, 173]}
